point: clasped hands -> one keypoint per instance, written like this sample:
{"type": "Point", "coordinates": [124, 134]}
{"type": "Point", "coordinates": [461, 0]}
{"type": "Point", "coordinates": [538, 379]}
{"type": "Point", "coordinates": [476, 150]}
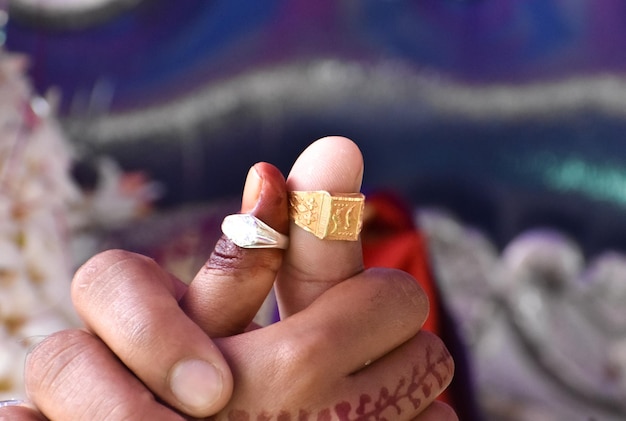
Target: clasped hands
{"type": "Point", "coordinates": [348, 346]}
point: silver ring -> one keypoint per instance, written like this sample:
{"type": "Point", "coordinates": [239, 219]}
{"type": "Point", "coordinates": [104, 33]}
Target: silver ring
{"type": "Point", "coordinates": [11, 402]}
{"type": "Point", "coordinates": [250, 232]}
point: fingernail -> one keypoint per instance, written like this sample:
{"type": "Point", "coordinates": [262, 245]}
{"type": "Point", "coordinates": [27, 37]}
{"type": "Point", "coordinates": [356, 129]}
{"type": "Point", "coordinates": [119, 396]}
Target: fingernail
{"type": "Point", "coordinates": [251, 191]}
{"type": "Point", "coordinates": [196, 384]}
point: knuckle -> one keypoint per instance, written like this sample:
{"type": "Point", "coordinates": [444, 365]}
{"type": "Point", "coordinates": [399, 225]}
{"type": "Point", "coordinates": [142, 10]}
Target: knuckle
{"type": "Point", "coordinates": [105, 276]}
{"type": "Point", "coordinates": [91, 273]}
{"type": "Point", "coordinates": [67, 365]}
{"type": "Point", "coordinates": [52, 363]}
{"type": "Point", "coordinates": [141, 337]}
{"type": "Point", "coordinates": [295, 354]}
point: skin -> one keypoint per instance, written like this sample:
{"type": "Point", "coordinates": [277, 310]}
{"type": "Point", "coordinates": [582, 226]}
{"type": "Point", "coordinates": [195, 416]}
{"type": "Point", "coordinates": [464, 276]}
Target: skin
{"type": "Point", "coordinates": [348, 346]}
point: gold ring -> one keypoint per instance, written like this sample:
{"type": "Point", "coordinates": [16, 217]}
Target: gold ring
{"type": "Point", "coordinates": [328, 216]}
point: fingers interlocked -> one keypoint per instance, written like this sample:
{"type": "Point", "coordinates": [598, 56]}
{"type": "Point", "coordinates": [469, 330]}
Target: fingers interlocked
{"type": "Point", "coordinates": [228, 291]}
{"type": "Point", "coordinates": [129, 302]}
{"type": "Point", "coordinates": [347, 335]}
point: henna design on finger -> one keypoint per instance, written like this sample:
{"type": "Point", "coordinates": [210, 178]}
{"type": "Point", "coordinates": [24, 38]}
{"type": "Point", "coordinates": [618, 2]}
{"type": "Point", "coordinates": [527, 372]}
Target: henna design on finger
{"type": "Point", "coordinates": [423, 382]}
{"type": "Point", "coordinates": [418, 385]}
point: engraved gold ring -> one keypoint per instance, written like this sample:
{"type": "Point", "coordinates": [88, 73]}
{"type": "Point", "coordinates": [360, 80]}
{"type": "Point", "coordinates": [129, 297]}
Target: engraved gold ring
{"type": "Point", "coordinates": [336, 216]}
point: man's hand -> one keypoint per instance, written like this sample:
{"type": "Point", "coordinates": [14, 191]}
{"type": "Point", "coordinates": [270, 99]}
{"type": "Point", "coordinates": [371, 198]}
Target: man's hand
{"type": "Point", "coordinates": [348, 346]}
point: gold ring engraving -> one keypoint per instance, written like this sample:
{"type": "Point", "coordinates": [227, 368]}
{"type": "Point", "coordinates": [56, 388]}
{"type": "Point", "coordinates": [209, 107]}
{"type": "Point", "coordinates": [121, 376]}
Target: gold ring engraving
{"type": "Point", "coordinates": [328, 216]}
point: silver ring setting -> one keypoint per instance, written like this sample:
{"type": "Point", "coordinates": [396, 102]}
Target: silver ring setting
{"type": "Point", "coordinates": [250, 232]}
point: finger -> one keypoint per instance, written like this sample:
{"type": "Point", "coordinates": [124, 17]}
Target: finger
{"type": "Point", "coordinates": [20, 413]}
{"type": "Point", "coordinates": [73, 375]}
{"type": "Point", "coordinates": [228, 291]}
{"type": "Point", "coordinates": [387, 308]}
{"type": "Point", "coordinates": [129, 302]}
{"type": "Point", "coordinates": [403, 383]}
{"type": "Point", "coordinates": [438, 411]}
{"type": "Point", "coordinates": [330, 353]}
{"type": "Point", "coordinates": [311, 265]}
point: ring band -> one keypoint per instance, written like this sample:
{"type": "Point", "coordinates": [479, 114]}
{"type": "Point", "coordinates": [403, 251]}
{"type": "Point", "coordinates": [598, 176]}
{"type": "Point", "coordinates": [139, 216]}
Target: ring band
{"type": "Point", "coordinates": [250, 232]}
{"type": "Point", "coordinates": [328, 216]}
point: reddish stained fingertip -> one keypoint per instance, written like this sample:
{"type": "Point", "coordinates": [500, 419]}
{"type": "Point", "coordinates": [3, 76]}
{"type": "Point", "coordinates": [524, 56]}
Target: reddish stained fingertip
{"type": "Point", "coordinates": [251, 190]}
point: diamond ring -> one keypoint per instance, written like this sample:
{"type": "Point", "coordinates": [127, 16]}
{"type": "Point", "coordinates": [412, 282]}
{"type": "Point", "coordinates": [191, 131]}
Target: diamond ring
{"type": "Point", "coordinates": [248, 231]}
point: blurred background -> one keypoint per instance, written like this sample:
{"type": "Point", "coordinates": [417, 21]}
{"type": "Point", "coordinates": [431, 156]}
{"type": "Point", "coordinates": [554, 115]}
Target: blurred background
{"type": "Point", "coordinates": [132, 123]}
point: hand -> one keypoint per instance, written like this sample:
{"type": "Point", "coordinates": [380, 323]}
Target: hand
{"type": "Point", "coordinates": [348, 346]}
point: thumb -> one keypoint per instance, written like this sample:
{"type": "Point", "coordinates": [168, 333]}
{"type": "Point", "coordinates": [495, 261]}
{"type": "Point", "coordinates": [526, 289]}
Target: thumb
{"type": "Point", "coordinates": [228, 291]}
{"type": "Point", "coordinates": [312, 265]}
